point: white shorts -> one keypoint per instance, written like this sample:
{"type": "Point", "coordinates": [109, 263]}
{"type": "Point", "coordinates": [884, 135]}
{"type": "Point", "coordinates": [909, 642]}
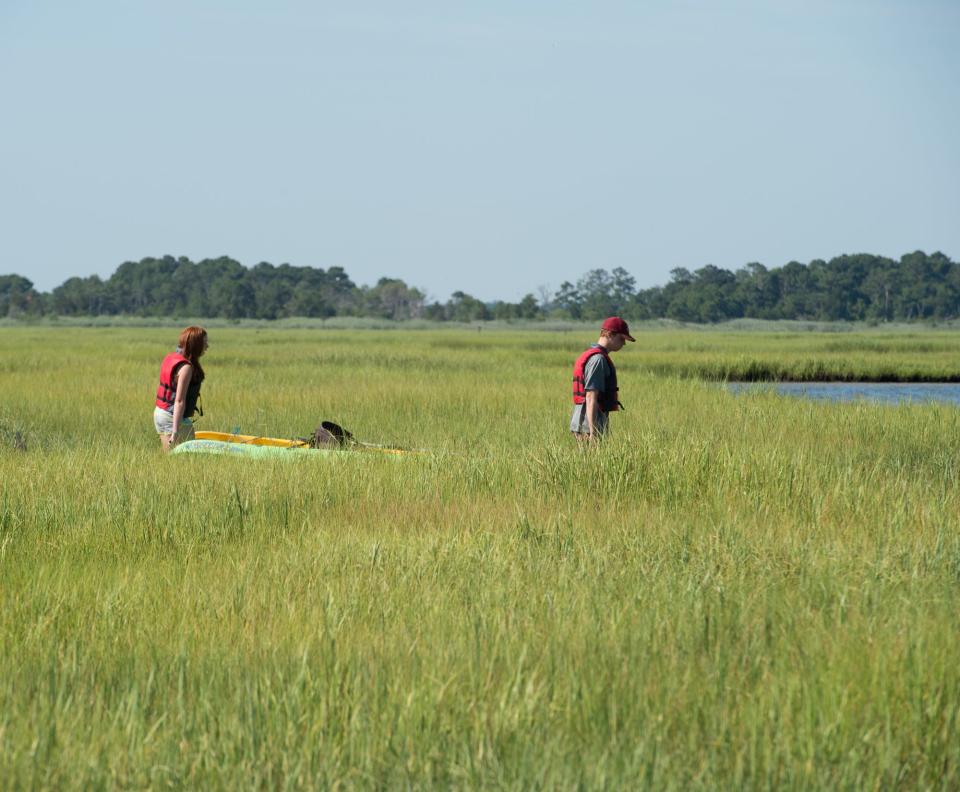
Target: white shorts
{"type": "Point", "coordinates": [163, 423]}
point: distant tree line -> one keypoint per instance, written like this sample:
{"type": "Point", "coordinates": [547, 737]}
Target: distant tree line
{"type": "Point", "coordinates": [850, 287]}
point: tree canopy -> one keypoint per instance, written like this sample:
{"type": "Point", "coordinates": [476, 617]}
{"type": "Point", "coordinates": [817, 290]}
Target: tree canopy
{"type": "Point", "coordinates": [918, 286]}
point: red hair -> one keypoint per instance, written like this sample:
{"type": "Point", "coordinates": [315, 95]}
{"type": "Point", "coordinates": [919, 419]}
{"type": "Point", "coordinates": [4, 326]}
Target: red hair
{"type": "Point", "coordinates": [192, 343]}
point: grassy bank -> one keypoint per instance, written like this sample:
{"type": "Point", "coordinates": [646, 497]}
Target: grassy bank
{"type": "Point", "coordinates": [735, 592]}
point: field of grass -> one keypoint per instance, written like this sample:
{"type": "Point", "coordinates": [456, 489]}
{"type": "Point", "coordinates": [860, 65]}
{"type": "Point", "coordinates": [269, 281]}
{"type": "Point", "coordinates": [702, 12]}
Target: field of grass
{"type": "Point", "coordinates": [735, 592]}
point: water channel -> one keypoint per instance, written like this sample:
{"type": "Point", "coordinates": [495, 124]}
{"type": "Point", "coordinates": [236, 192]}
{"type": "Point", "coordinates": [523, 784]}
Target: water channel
{"type": "Point", "coordinates": [883, 392]}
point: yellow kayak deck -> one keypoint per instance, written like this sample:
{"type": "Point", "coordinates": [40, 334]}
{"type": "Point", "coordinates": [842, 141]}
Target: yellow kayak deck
{"type": "Point", "coordinates": [229, 437]}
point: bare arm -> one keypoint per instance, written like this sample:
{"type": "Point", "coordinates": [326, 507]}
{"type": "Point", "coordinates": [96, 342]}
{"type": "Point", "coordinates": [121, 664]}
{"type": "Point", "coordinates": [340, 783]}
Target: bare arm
{"type": "Point", "coordinates": [183, 382]}
{"type": "Point", "coordinates": [591, 406]}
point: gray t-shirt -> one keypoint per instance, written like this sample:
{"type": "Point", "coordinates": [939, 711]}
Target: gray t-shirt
{"type": "Point", "coordinates": [595, 374]}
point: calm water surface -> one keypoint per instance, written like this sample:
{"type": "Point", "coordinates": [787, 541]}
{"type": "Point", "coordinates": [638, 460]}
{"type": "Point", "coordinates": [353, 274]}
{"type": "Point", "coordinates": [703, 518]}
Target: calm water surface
{"type": "Point", "coordinates": [885, 392]}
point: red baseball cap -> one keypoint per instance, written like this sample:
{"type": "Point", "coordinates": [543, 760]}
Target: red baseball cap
{"type": "Point", "coordinates": [616, 325]}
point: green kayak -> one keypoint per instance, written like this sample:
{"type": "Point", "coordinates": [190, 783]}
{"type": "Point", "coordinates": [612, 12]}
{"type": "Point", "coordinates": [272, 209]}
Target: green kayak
{"type": "Point", "coordinates": [249, 450]}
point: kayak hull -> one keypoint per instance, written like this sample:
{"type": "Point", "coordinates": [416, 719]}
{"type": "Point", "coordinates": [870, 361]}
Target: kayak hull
{"type": "Point", "coordinates": [225, 448]}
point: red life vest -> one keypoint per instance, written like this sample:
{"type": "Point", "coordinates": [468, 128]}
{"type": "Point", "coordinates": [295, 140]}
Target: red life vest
{"type": "Point", "coordinates": [608, 397]}
{"type": "Point", "coordinates": [167, 390]}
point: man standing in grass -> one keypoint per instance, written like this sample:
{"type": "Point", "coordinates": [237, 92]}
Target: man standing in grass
{"type": "Point", "coordinates": [595, 393]}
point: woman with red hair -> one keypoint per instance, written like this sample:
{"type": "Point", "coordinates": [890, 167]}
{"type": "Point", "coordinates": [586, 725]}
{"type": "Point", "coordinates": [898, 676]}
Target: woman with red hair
{"type": "Point", "coordinates": [181, 376]}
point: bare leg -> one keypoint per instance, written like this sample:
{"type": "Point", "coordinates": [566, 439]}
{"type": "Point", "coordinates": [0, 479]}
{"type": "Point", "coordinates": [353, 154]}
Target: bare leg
{"type": "Point", "coordinates": [184, 433]}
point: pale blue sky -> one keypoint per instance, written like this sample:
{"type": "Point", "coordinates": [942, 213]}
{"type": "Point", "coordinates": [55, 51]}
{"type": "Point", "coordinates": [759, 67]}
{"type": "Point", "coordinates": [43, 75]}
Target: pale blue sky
{"type": "Point", "coordinates": [491, 147]}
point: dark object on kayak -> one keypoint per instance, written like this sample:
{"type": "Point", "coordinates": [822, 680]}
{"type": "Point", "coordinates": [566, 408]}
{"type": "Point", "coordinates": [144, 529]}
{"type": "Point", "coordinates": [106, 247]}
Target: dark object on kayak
{"type": "Point", "coordinates": [324, 438]}
{"type": "Point", "coordinates": [343, 437]}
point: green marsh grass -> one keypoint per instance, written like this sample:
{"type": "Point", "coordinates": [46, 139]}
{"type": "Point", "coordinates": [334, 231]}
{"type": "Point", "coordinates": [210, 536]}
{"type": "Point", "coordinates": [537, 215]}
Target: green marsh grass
{"type": "Point", "coordinates": [734, 592]}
